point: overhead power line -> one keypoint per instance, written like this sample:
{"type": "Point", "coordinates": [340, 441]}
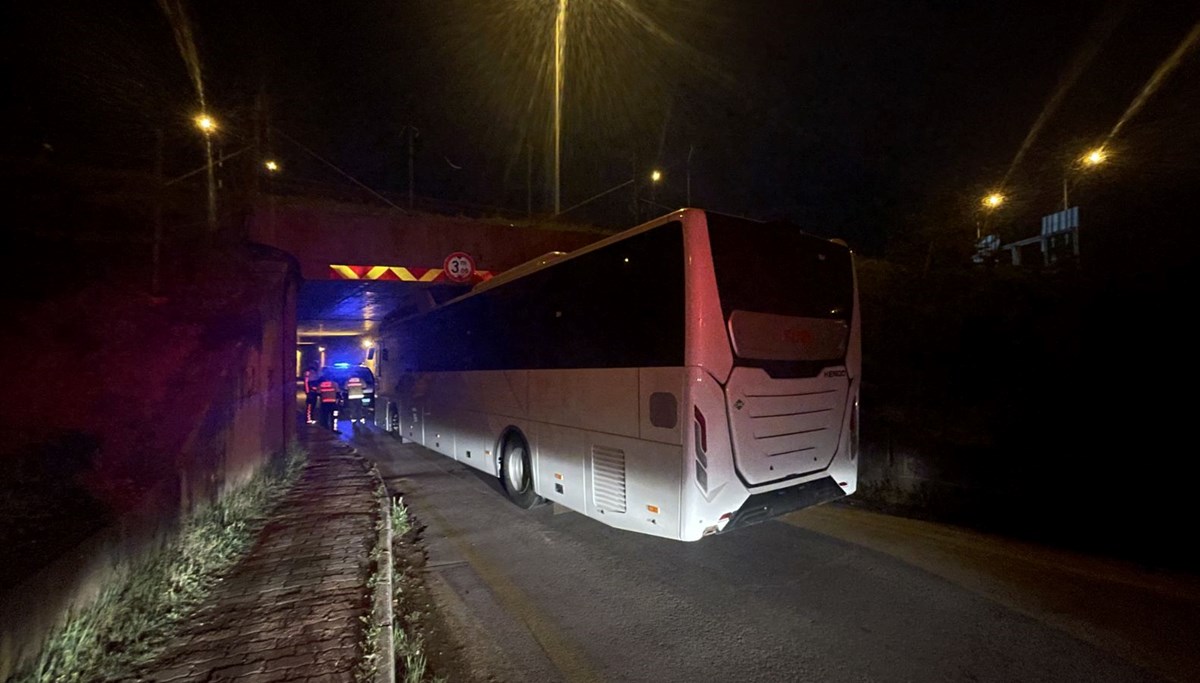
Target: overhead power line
{"type": "Point", "coordinates": [330, 164]}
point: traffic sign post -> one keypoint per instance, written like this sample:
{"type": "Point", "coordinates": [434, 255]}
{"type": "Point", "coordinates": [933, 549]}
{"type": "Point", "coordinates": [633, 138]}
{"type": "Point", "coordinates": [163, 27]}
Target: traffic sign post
{"type": "Point", "coordinates": [459, 267]}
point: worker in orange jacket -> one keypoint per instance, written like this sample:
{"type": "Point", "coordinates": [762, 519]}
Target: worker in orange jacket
{"type": "Point", "coordinates": [311, 396]}
{"type": "Point", "coordinates": [354, 399]}
{"type": "Point", "coordinates": [328, 390]}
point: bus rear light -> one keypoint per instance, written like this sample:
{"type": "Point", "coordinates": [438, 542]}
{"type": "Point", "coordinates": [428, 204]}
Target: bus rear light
{"type": "Point", "coordinates": [701, 432]}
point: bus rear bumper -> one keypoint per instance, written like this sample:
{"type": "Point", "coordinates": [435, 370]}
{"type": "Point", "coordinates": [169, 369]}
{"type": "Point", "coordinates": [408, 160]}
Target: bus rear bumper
{"type": "Point", "coordinates": [760, 507]}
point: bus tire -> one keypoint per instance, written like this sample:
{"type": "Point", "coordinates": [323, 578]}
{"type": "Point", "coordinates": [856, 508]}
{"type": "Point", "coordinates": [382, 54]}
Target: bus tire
{"type": "Point", "coordinates": [516, 471]}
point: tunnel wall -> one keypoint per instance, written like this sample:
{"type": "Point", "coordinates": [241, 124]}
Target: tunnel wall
{"type": "Point", "coordinates": [217, 405]}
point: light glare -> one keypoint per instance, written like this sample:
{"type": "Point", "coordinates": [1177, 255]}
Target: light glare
{"type": "Point", "coordinates": [205, 123]}
{"type": "Point", "coordinates": [1095, 157]}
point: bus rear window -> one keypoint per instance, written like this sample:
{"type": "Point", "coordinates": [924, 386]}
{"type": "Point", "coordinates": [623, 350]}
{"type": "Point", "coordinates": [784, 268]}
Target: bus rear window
{"type": "Point", "coordinates": [777, 269]}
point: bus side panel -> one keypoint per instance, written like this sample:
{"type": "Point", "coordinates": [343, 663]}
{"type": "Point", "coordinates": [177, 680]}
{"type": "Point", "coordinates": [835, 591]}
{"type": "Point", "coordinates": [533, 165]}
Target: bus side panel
{"type": "Point", "coordinates": [487, 402]}
{"type": "Point", "coordinates": [559, 474]}
{"type": "Point", "coordinates": [410, 412]}
{"type": "Point", "coordinates": [604, 400]}
{"type": "Point", "coordinates": [633, 484]}
{"type": "Point", "coordinates": [473, 439]}
{"type": "Point", "coordinates": [496, 392]}
{"type": "Point", "coordinates": [441, 414]}
{"type": "Point", "coordinates": [439, 431]}
{"type": "Point", "coordinates": [711, 487]}
{"type": "Point", "coordinates": [844, 467]}
{"type": "Point", "coordinates": [661, 400]}
{"type": "Point", "coordinates": [414, 426]}
{"type": "Point", "coordinates": [706, 339]}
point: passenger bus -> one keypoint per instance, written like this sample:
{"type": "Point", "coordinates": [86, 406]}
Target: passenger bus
{"type": "Point", "coordinates": [689, 376]}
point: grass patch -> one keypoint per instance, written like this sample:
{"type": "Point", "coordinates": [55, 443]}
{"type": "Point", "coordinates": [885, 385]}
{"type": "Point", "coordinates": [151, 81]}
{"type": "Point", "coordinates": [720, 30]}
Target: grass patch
{"type": "Point", "coordinates": [400, 523]}
{"type": "Point", "coordinates": [410, 622]}
{"type": "Point", "coordinates": [368, 666]}
{"type": "Point", "coordinates": [134, 617]}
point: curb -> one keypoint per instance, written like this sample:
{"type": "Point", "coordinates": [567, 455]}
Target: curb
{"type": "Point", "coordinates": [381, 610]}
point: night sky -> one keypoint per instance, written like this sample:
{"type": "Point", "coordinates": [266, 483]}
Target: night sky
{"type": "Point", "coordinates": [861, 120]}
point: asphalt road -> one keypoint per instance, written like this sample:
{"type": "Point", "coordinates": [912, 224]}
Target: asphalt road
{"type": "Point", "coordinates": [827, 594]}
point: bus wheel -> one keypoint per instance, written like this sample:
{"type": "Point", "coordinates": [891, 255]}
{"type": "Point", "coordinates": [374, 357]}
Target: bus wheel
{"type": "Point", "coordinates": [516, 471]}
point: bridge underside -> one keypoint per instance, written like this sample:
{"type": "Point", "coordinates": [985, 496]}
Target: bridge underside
{"type": "Point", "coordinates": [354, 308]}
{"type": "Point", "coordinates": [359, 263]}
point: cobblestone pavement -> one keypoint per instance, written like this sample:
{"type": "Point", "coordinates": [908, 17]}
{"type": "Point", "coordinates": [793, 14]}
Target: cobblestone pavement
{"type": "Point", "coordinates": [293, 608]}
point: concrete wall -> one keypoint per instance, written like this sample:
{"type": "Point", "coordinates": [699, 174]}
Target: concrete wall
{"type": "Point", "coordinates": [244, 423]}
{"type": "Point", "coordinates": [319, 233]}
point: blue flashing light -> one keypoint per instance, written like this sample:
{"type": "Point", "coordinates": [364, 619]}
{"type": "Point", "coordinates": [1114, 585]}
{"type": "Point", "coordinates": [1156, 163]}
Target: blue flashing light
{"type": "Point", "coordinates": [341, 366]}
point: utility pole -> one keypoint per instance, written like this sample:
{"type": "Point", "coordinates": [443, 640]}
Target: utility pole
{"type": "Point", "coordinates": [528, 180]}
{"type": "Point", "coordinates": [212, 186]}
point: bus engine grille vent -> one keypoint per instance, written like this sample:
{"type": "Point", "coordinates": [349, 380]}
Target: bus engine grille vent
{"type": "Point", "coordinates": [608, 478]}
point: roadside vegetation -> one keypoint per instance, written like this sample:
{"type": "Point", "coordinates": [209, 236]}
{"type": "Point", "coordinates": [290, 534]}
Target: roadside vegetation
{"type": "Point", "coordinates": [134, 618]}
{"type": "Point", "coordinates": [416, 633]}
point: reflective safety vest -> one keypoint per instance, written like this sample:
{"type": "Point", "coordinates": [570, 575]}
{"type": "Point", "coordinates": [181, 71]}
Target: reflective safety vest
{"type": "Point", "coordinates": [354, 388]}
{"type": "Point", "coordinates": [329, 391]}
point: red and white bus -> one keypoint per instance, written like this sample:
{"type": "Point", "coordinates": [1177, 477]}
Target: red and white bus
{"type": "Point", "coordinates": [689, 376]}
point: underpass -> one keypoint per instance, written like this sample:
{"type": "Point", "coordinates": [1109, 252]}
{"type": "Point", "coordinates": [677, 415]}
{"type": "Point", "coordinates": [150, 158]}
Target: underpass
{"type": "Point", "coordinates": [360, 263]}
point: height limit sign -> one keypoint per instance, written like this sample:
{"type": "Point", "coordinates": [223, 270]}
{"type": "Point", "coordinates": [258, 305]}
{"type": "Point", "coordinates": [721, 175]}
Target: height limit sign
{"type": "Point", "coordinates": [459, 267]}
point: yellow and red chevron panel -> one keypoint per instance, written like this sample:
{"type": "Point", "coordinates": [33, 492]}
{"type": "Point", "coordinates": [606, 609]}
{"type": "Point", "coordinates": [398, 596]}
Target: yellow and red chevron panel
{"type": "Point", "coordinates": [400, 273]}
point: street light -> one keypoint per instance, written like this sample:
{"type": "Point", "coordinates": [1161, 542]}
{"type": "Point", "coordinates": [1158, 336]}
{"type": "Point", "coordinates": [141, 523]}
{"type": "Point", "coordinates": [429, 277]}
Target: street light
{"type": "Point", "coordinates": [206, 123]}
{"type": "Point", "coordinates": [560, 44]}
{"type": "Point", "coordinates": [208, 126]}
{"type": "Point", "coordinates": [1091, 159]}
{"type": "Point", "coordinates": [656, 175]}
{"type": "Point", "coordinates": [989, 203]}
{"type": "Point", "coordinates": [1095, 157]}
{"type": "Point", "coordinates": [271, 165]}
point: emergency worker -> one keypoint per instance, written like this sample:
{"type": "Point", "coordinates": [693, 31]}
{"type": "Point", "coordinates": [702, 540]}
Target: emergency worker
{"type": "Point", "coordinates": [354, 399]}
{"type": "Point", "coordinates": [328, 390]}
{"type": "Point", "coordinates": [311, 395]}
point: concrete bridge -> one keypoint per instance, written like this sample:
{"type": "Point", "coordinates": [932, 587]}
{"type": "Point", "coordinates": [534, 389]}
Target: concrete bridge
{"type": "Point", "coordinates": [359, 262]}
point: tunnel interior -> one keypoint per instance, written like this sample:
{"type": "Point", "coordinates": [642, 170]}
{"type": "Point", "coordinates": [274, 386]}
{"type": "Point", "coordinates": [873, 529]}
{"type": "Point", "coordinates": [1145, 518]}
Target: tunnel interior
{"type": "Point", "coordinates": [337, 321]}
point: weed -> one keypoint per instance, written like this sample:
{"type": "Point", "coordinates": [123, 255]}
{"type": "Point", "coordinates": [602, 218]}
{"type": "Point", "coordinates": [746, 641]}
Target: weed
{"type": "Point", "coordinates": [400, 522]}
{"type": "Point", "coordinates": [408, 643]}
{"type": "Point", "coordinates": [368, 666]}
{"type": "Point", "coordinates": [131, 621]}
